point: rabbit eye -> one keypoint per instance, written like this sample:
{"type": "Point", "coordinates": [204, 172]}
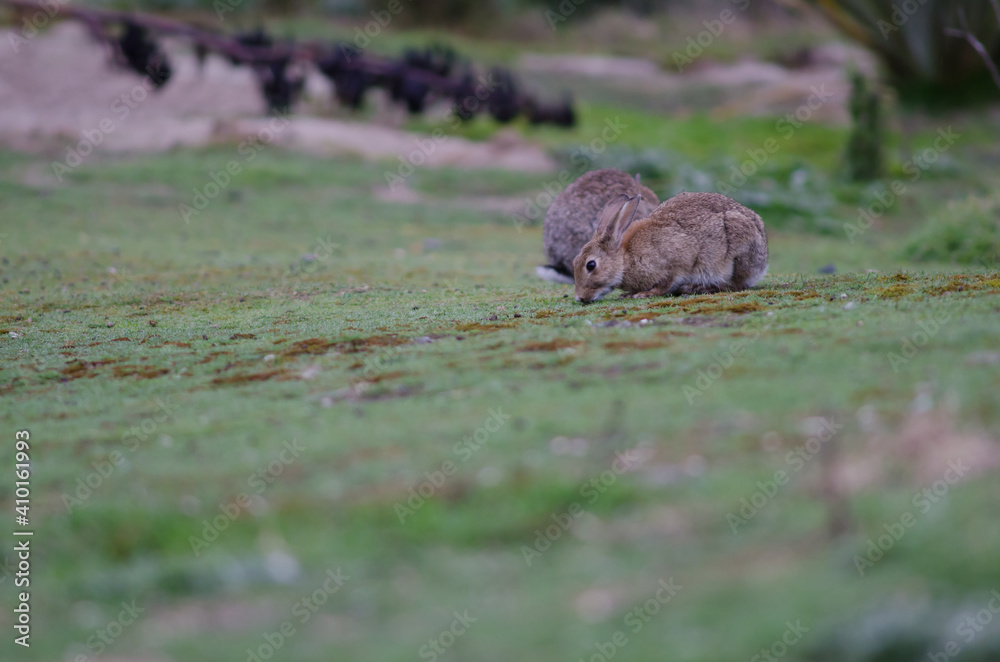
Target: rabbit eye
{"type": "Point", "coordinates": [591, 265]}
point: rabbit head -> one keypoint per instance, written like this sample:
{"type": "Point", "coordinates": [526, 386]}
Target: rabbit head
{"type": "Point", "coordinates": [600, 266]}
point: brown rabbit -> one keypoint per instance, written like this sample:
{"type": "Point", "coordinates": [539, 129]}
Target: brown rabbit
{"type": "Point", "coordinates": [693, 242]}
{"type": "Point", "coordinates": [573, 216]}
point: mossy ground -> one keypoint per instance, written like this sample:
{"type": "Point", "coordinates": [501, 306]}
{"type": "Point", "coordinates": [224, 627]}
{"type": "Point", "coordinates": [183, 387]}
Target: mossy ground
{"type": "Point", "coordinates": [388, 340]}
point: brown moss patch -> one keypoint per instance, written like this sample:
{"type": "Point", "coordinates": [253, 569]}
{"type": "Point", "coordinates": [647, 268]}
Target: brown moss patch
{"type": "Point", "coordinates": [77, 369]}
{"type": "Point", "coordinates": [476, 326]}
{"type": "Point", "coordinates": [641, 316]}
{"type": "Point", "coordinates": [550, 346]}
{"type": "Point", "coordinates": [966, 283]}
{"type": "Point", "coordinates": [242, 336]}
{"type": "Point", "coordinates": [356, 345]}
{"type": "Point", "coordinates": [894, 291]}
{"type": "Point", "coordinates": [122, 339]}
{"type": "Point", "coordinates": [954, 284]}
{"type": "Point", "coordinates": [314, 346]}
{"type": "Point", "coordinates": [177, 343]}
{"type": "Point", "coordinates": [745, 307]}
{"type": "Point", "coordinates": [139, 371]}
{"type": "Point", "coordinates": [248, 378]}
{"type": "Point", "coordinates": [621, 346]}
{"type": "Point", "coordinates": [308, 346]}
{"type": "Point", "coordinates": [384, 376]}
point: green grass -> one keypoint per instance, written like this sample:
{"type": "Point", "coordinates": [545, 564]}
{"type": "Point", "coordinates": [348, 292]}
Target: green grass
{"type": "Point", "coordinates": [382, 354]}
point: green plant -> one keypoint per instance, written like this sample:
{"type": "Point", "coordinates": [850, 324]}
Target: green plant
{"type": "Point", "coordinates": [865, 154]}
{"type": "Point", "coordinates": [916, 42]}
{"type": "Point", "coordinates": [964, 232]}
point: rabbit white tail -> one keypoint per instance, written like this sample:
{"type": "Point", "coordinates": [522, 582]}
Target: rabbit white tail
{"type": "Point", "coordinates": [553, 275]}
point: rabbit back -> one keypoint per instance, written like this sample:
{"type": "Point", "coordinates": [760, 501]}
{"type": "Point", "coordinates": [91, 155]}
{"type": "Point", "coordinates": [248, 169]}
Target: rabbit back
{"type": "Point", "coordinates": [705, 241]}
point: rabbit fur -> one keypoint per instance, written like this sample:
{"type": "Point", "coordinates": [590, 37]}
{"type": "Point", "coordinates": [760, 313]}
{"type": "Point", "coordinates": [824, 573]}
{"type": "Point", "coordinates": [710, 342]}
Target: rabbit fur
{"type": "Point", "coordinates": [573, 216]}
{"type": "Point", "coordinates": [692, 243]}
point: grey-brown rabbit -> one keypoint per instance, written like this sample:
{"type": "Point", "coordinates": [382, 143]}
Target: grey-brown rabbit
{"type": "Point", "coordinates": [573, 216]}
{"type": "Point", "coordinates": [693, 242]}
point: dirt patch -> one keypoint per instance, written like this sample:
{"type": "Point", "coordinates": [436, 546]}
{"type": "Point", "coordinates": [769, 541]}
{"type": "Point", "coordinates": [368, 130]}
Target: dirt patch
{"type": "Point", "coordinates": [317, 346]}
{"type": "Point", "coordinates": [927, 443]}
{"type": "Point", "coordinates": [477, 326]}
{"type": "Point", "coordinates": [212, 355]}
{"type": "Point", "coordinates": [622, 346]}
{"type": "Point", "coordinates": [745, 307]}
{"type": "Point", "coordinates": [310, 346]}
{"type": "Point", "coordinates": [706, 304]}
{"type": "Point", "coordinates": [248, 378]}
{"type": "Point", "coordinates": [86, 369]}
{"type": "Point", "coordinates": [550, 346]}
{"type": "Point", "coordinates": [140, 371]}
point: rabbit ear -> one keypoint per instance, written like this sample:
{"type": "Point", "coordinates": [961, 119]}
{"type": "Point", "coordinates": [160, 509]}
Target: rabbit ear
{"type": "Point", "coordinates": [610, 213]}
{"type": "Point", "coordinates": [623, 219]}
